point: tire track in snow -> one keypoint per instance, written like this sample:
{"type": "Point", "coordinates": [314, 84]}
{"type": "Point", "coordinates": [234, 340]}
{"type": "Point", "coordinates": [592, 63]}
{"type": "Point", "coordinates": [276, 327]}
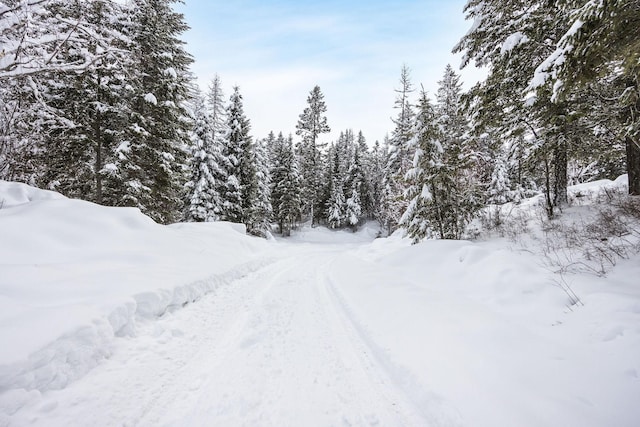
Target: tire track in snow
{"type": "Point", "coordinates": [293, 364]}
{"type": "Point", "coordinates": [398, 381]}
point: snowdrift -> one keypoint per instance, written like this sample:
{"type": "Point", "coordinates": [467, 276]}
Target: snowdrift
{"type": "Point", "coordinates": [74, 275]}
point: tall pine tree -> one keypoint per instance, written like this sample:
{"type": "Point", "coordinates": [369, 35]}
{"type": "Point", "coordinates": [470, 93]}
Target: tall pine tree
{"type": "Point", "coordinates": [311, 124]}
{"type": "Point", "coordinates": [152, 165]}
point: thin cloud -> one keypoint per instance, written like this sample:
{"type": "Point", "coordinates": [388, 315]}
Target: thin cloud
{"type": "Point", "coordinates": [276, 51]}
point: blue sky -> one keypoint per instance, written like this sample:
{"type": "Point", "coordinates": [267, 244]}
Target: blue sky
{"type": "Point", "coordinates": [276, 51]}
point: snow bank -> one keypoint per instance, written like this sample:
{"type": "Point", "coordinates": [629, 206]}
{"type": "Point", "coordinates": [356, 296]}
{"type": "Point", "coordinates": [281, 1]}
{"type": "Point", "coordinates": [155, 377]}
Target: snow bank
{"type": "Point", "coordinates": [485, 332]}
{"type": "Point", "coordinates": [482, 333]}
{"type": "Point", "coordinates": [74, 275]}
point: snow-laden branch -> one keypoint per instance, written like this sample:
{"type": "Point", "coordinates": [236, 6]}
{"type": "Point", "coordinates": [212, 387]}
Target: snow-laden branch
{"type": "Point", "coordinates": [32, 41]}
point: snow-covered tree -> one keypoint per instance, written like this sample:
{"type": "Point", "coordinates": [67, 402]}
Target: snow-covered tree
{"type": "Point", "coordinates": [499, 191]}
{"type": "Point", "coordinates": [262, 209]}
{"type": "Point", "coordinates": [207, 175]}
{"type": "Point", "coordinates": [152, 161]}
{"type": "Point", "coordinates": [311, 124]}
{"type": "Point", "coordinates": [217, 111]}
{"type": "Point", "coordinates": [62, 123]}
{"type": "Point", "coordinates": [423, 217]}
{"type": "Point", "coordinates": [353, 209]}
{"type": "Point", "coordinates": [357, 189]}
{"type": "Point", "coordinates": [600, 44]}
{"type": "Point", "coordinates": [376, 179]}
{"type": "Point", "coordinates": [335, 205]}
{"type": "Point", "coordinates": [90, 107]}
{"type": "Point", "coordinates": [285, 184]}
{"type": "Point", "coordinates": [461, 200]}
{"type": "Point", "coordinates": [400, 154]}
{"type": "Point", "coordinates": [511, 39]}
{"type": "Point", "coordinates": [362, 163]}
{"type": "Point", "coordinates": [238, 168]}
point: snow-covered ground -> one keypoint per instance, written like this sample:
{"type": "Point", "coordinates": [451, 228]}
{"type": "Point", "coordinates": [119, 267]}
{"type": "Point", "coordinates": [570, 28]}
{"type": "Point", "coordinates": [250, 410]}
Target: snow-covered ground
{"type": "Point", "coordinates": [108, 319]}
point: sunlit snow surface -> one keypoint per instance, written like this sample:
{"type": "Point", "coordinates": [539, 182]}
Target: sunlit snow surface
{"type": "Point", "coordinates": [108, 319]}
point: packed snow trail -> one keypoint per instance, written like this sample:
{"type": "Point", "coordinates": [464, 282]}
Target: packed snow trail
{"type": "Point", "coordinates": [273, 348]}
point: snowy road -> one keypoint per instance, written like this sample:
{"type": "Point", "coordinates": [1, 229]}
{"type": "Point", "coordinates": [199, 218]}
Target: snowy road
{"type": "Point", "coordinates": [274, 348]}
{"type": "Point", "coordinates": [359, 333]}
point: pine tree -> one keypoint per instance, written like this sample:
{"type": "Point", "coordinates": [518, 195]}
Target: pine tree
{"type": "Point", "coordinates": [311, 124]}
{"type": "Point", "coordinates": [262, 210]}
{"type": "Point", "coordinates": [601, 42]}
{"type": "Point", "coordinates": [216, 108]}
{"type": "Point", "coordinates": [353, 209]}
{"type": "Point", "coordinates": [152, 162]}
{"type": "Point", "coordinates": [66, 115]}
{"type": "Point", "coordinates": [427, 178]}
{"type": "Point", "coordinates": [511, 41]}
{"type": "Point", "coordinates": [88, 108]}
{"type": "Point", "coordinates": [219, 127]}
{"type": "Point", "coordinates": [237, 166]}
{"type": "Point", "coordinates": [376, 180]}
{"type": "Point", "coordinates": [285, 185]}
{"type": "Point", "coordinates": [400, 155]}
{"type": "Point", "coordinates": [500, 186]}
{"type": "Point", "coordinates": [207, 176]}
{"type": "Point", "coordinates": [461, 200]}
{"type": "Point", "coordinates": [356, 187]}
{"type": "Point", "coordinates": [363, 160]}
{"type": "Point", "coordinates": [335, 208]}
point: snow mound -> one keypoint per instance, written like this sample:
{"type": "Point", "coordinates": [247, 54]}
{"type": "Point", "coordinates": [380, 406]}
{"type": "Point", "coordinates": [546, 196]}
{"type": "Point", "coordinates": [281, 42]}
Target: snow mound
{"type": "Point", "coordinates": [15, 194]}
{"type": "Point", "coordinates": [75, 275]}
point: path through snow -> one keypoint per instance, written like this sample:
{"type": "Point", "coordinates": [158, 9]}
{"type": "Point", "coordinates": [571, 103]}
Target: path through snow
{"type": "Point", "coordinates": [274, 348]}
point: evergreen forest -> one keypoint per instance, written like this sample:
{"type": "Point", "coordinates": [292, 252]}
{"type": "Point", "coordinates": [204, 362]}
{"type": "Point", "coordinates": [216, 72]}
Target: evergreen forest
{"type": "Point", "coordinates": [98, 102]}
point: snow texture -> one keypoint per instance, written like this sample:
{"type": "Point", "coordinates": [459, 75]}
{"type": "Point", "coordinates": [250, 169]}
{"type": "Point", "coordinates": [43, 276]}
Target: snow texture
{"type": "Point", "coordinates": [109, 318]}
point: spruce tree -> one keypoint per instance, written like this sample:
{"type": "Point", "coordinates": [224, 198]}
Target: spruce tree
{"type": "Point", "coordinates": [152, 164]}
{"type": "Point", "coordinates": [311, 124]}
{"type": "Point", "coordinates": [376, 179]}
{"type": "Point", "coordinates": [461, 200]}
{"type": "Point", "coordinates": [335, 208]}
{"type": "Point", "coordinates": [90, 108]}
{"type": "Point", "coordinates": [262, 209]}
{"type": "Point", "coordinates": [601, 43]}
{"type": "Point", "coordinates": [427, 189]}
{"type": "Point", "coordinates": [237, 166]}
{"type": "Point", "coordinates": [285, 184]}
{"type": "Point", "coordinates": [499, 191]}
{"type": "Point", "coordinates": [207, 176]}
{"type": "Point", "coordinates": [400, 155]}
{"type": "Point", "coordinates": [511, 45]}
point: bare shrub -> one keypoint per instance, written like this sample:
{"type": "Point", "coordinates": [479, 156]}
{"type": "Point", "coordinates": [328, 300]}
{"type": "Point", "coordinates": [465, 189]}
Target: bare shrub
{"type": "Point", "coordinates": [596, 244]}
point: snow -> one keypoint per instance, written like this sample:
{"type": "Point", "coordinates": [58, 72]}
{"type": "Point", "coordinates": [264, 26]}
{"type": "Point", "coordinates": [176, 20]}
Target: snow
{"type": "Point", "coordinates": [513, 41]}
{"type": "Point", "coordinates": [75, 275]}
{"type": "Point", "coordinates": [151, 99]}
{"type": "Point", "coordinates": [113, 319]}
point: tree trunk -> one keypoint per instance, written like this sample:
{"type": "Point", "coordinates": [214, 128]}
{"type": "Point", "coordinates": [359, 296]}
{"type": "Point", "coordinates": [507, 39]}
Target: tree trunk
{"type": "Point", "coordinates": [547, 190]}
{"type": "Point", "coordinates": [633, 165]}
{"type": "Point", "coordinates": [560, 197]}
{"type": "Point", "coordinates": [99, 161]}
